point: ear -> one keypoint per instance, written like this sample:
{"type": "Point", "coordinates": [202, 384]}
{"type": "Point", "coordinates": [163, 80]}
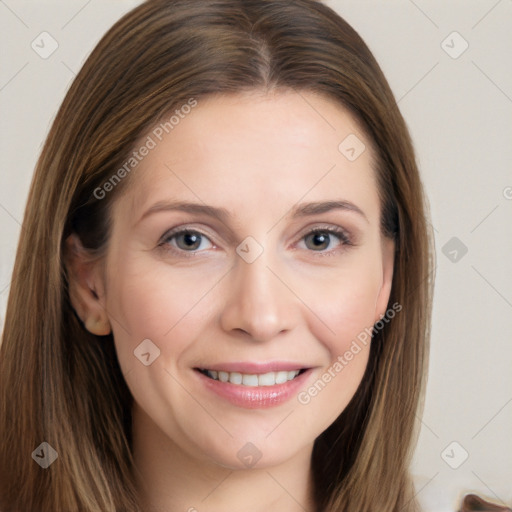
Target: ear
{"type": "Point", "coordinates": [86, 288]}
{"type": "Point", "coordinates": [388, 263]}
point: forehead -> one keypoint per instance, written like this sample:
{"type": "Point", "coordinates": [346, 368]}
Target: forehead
{"type": "Point", "coordinates": [243, 149]}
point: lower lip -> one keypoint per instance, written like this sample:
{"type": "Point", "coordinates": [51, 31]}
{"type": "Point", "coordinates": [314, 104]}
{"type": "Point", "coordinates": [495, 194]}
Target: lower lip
{"type": "Point", "coordinates": [255, 397]}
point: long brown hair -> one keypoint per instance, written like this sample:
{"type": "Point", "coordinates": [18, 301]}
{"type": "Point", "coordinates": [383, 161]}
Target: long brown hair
{"type": "Point", "coordinates": [62, 385]}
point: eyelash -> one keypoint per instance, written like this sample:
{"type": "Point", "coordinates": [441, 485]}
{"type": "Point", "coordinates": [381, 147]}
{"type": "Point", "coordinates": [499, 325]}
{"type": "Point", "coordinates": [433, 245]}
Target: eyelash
{"type": "Point", "coordinates": [341, 234]}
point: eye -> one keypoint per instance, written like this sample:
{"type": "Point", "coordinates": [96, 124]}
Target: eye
{"type": "Point", "coordinates": [325, 239]}
{"type": "Point", "coordinates": [187, 240]}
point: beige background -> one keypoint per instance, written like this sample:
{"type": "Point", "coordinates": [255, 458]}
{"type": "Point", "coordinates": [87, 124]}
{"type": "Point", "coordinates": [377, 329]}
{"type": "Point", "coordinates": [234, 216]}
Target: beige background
{"type": "Point", "coordinates": [459, 111]}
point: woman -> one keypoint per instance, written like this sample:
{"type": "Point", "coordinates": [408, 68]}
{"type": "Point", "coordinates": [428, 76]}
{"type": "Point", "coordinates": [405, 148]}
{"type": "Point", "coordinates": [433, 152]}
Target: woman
{"type": "Point", "coordinates": [222, 290]}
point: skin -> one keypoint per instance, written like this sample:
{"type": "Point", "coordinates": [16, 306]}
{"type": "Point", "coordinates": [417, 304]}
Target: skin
{"type": "Point", "coordinates": [258, 156]}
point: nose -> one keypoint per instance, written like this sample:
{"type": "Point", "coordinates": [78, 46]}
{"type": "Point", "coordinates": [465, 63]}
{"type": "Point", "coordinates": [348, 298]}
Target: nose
{"type": "Point", "coordinates": [259, 302]}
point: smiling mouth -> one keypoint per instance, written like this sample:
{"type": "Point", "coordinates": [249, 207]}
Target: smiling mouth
{"type": "Point", "coordinates": [252, 379]}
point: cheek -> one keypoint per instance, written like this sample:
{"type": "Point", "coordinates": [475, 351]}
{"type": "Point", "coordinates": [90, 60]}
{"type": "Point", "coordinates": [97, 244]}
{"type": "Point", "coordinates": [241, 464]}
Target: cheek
{"type": "Point", "coordinates": [343, 304]}
{"type": "Point", "coordinates": [346, 309]}
{"type": "Point", "coordinates": [147, 301]}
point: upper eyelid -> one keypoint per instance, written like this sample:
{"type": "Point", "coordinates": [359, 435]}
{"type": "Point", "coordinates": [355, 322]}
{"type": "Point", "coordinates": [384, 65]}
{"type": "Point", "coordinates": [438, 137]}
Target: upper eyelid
{"type": "Point", "coordinates": [331, 228]}
{"type": "Point", "coordinates": [183, 229]}
{"type": "Point", "coordinates": [205, 230]}
{"type": "Point", "coordinates": [336, 230]}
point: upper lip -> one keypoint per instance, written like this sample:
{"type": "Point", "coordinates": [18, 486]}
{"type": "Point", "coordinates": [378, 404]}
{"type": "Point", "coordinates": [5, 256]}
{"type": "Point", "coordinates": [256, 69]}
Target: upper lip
{"type": "Point", "coordinates": [253, 367]}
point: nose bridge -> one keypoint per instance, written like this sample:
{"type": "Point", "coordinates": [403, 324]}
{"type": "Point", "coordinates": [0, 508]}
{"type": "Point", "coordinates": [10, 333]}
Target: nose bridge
{"type": "Point", "coordinates": [258, 302]}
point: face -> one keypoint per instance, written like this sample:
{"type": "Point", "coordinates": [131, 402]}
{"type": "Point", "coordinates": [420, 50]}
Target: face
{"type": "Point", "coordinates": [246, 248]}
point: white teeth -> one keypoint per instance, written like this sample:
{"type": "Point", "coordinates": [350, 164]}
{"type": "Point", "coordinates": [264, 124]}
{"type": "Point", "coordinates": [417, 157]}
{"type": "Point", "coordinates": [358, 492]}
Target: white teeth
{"type": "Point", "coordinates": [267, 379]}
{"type": "Point", "coordinates": [281, 377]}
{"type": "Point", "coordinates": [253, 380]}
{"type": "Point", "coordinates": [292, 375]}
{"type": "Point", "coordinates": [235, 378]}
{"type": "Point", "coordinates": [250, 380]}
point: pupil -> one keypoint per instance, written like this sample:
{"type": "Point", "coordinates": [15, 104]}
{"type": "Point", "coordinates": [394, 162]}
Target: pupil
{"type": "Point", "coordinates": [320, 240]}
{"type": "Point", "coordinates": [191, 240]}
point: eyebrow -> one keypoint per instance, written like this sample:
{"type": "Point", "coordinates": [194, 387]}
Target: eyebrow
{"type": "Point", "coordinates": [303, 210]}
{"type": "Point", "coordinates": [223, 215]}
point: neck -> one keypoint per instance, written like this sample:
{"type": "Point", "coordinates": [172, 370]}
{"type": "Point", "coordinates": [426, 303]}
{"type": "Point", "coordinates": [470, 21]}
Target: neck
{"type": "Point", "coordinates": [171, 479]}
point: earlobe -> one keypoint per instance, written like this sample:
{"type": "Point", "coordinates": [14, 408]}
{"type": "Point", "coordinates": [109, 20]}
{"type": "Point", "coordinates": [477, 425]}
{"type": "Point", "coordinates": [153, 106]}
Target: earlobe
{"type": "Point", "coordinates": [85, 287]}
{"type": "Point", "coordinates": [97, 326]}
